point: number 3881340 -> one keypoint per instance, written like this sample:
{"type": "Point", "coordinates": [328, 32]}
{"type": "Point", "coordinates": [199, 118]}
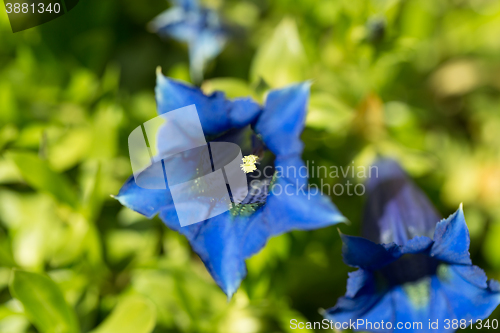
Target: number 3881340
{"type": "Point", "coordinates": [26, 8]}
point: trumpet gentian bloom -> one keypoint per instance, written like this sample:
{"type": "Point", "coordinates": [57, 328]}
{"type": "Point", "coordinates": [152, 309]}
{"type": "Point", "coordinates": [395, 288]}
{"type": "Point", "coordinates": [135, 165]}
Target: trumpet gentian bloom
{"type": "Point", "coordinates": [422, 271]}
{"type": "Point", "coordinates": [199, 27]}
{"type": "Point", "coordinates": [278, 201]}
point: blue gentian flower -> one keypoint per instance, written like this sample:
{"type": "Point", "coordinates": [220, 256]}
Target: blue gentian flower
{"type": "Point", "coordinates": [272, 133]}
{"type": "Point", "coordinates": [422, 271]}
{"type": "Point", "coordinates": [199, 27]}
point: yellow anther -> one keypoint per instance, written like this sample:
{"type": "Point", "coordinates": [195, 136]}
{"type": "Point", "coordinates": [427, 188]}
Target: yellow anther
{"type": "Point", "coordinates": [249, 163]}
{"type": "Point", "coordinates": [250, 159]}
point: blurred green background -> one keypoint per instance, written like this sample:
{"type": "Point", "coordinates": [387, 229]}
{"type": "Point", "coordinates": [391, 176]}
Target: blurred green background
{"type": "Point", "coordinates": [417, 80]}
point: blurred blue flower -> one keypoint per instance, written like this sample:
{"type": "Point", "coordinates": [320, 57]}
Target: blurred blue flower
{"type": "Point", "coordinates": [422, 270]}
{"type": "Point", "coordinates": [272, 133]}
{"type": "Point", "coordinates": [199, 27]}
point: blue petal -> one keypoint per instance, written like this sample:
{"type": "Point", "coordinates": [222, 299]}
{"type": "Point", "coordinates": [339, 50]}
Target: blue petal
{"type": "Point", "coordinates": [188, 5]}
{"type": "Point", "coordinates": [357, 280]}
{"type": "Point", "coordinates": [244, 112]}
{"type": "Point", "coordinates": [494, 285]}
{"type": "Point", "coordinates": [177, 24]}
{"type": "Point", "coordinates": [283, 119]}
{"type": "Point", "coordinates": [370, 306]}
{"type": "Point", "coordinates": [395, 305]}
{"type": "Point", "coordinates": [396, 210]}
{"type": "Point", "coordinates": [473, 275]}
{"type": "Point", "coordinates": [223, 244]}
{"type": "Point", "coordinates": [169, 216]}
{"type": "Point", "coordinates": [216, 114]}
{"type": "Point", "coordinates": [467, 292]}
{"type": "Point", "coordinates": [205, 46]}
{"type": "Point", "coordinates": [199, 27]}
{"type": "Point", "coordinates": [457, 291]}
{"type": "Point", "coordinates": [291, 207]}
{"type": "Point", "coordinates": [451, 240]}
{"type": "Point", "coordinates": [360, 252]}
{"type": "Point", "coordinates": [218, 243]}
{"type": "Point", "coordinates": [212, 110]}
{"type": "Point", "coordinates": [414, 308]}
{"type": "Point", "coordinates": [144, 201]}
{"type": "Point", "coordinates": [292, 168]}
{"type": "Point", "coordinates": [417, 245]}
{"type": "Point", "coordinates": [383, 310]}
{"type": "Point", "coordinates": [440, 307]}
{"type": "Point", "coordinates": [257, 232]}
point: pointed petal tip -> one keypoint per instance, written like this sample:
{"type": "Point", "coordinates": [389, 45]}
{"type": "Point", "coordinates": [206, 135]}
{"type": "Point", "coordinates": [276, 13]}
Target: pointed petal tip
{"type": "Point", "coordinates": [345, 220]}
{"type": "Point", "coordinates": [452, 239]}
{"type": "Point", "coordinates": [339, 218]}
{"type": "Point", "coordinates": [344, 237]}
{"type": "Point", "coordinates": [494, 286]}
{"type": "Point", "coordinates": [458, 213]}
{"type": "Point", "coordinates": [230, 291]}
{"type": "Point", "coordinates": [158, 71]}
{"type": "Point", "coordinates": [305, 86]}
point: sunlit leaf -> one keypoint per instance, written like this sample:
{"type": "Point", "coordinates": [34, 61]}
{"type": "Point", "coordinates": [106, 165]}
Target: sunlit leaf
{"type": "Point", "coordinates": [43, 303]}
{"type": "Point", "coordinates": [37, 173]}
{"type": "Point", "coordinates": [328, 113]}
{"type": "Point", "coordinates": [8, 171]}
{"type": "Point", "coordinates": [123, 244]}
{"type": "Point", "coordinates": [6, 258]}
{"type": "Point", "coordinates": [8, 103]}
{"type": "Point", "coordinates": [8, 133]}
{"type": "Point", "coordinates": [105, 135]}
{"type": "Point", "coordinates": [417, 19]}
{"type": "Point", "coordinates": [83, 86]}
{"type": "Point", "coordinates": [133, 315]}
{"type": "Point", "coordinates": [69, 149]}
{"type": "Point", "coordinates": [74, 239]}
{"type": "Point", "coordinates": [281, 60]}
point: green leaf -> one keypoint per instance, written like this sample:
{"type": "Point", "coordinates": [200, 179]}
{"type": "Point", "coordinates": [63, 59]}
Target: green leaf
{"type": "Point", "coordinates": [281, 60]}
{"type": "Point", "coordinates": [37, 173]}
{"type": "Point", "coordinates": [6, 258]}
{"type": "Point", "coordinates": [328, 113]}
{"type": "Point", "coordinates": [82, 87]}
{"type": "Point", "coordinates": [43, 303]}
{"type": "Point", "coordinates": [133, 315]}
{"type": "Point", "coordinates": [231, 86]}
{"type": "Point", "coordinates": [418, 20]}
{"type": "Point", "coordinates": [106, 122]}
{"type": "Point", "coordinates": [70, 149]}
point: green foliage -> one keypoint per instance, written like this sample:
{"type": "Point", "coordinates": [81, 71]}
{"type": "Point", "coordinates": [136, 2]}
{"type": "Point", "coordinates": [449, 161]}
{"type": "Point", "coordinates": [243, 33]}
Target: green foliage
{"type": "Point", "coordinates": [416, 80]}
{"type": "Point", "coordinates": [43, 303]}
{"type": "Point", "coordinates": [38, 174]}
{"type": "Point", "coordinates": [133, 315]}
{"type": "Point", "coordinates": [280, 59]}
